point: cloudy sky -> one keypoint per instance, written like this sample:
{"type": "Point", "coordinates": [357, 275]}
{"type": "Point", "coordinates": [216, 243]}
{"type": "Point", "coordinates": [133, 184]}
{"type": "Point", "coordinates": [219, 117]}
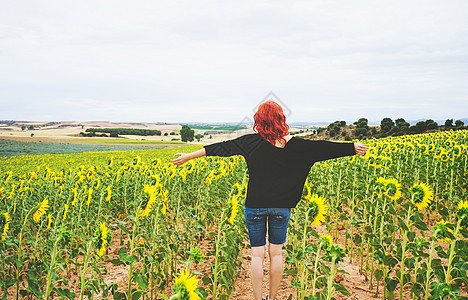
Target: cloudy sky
{"type": "Point", "coordinates": [214, 61]}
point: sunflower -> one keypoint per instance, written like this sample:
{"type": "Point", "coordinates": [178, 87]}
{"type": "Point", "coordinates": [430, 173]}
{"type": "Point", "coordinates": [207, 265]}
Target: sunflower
{"type": "Point", "coordinates": [442, 232]}
{"type": "Point", "coordinates": [183, 174]}
{"type": "Point", "coordinates": [334, 252]}
{"type": "Point", "coordinates": [210, 176]}
{"type": "Point", "coordinates": [409, 148]}
{"type": "Point", "coordinates": [103, 238]}
{"type": "Point", "coordinates": [109, 193]}
{"type": "Point", "coordinates": [90, 172]}
{"type": "Point", "coordinates": [381, 186]}
{"type": "Point", "coordinates": [421, 195]}
{"type": "Point", "coordinates": [457, 151]}
{"type": "Point", "coordinates": [90, 196]}
{"type": "Point", "coordinates": [49, 217]}
{"type": "Point", "coordinates": [317, 209]}
{"type": "Point", "coordinates": [4, 224]}
{"type": "Point", "coordinates": [165, 197]}
{"type": "Point", "coordinates": [98, 183]}
{"type": "Point", "coordinates": [462, 213]}
{"type": "Point", "coordinates": [184, 287]}
{"type": "Point", "coordinates": [444, 156]}
{"type": "Point", "coordinates": [75, 196]}
{"type": "Point", "coordinates": [65, 211]}
{"type": "Point", "coordinates": [110, 162]}
{"type": "Point", "coordinates": [438, 152]}
{"type": "Point", "coordinates": [238, 188]}
{"type": "Point", "coordinates": [393, 189]}
{"type": "Point", "coordinates": [326, 240]}
{"type": "Point", "coordinates": [424, 148]}
{"type": "Point", "coordinates": [234, 205]}
{"type": "Point", "coordinates": [10, 174]}
{"type": "Point", "coordinates": [148, 199]}
{"type": "Point", "coordinates": [41, 210]}
{"type": "Point", "coordinates": [386, 162]}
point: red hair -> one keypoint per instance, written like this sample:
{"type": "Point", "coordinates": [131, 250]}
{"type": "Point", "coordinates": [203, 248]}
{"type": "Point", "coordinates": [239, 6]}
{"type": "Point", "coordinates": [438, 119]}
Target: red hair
{"type": "Point", "coordinates": [270, 122]}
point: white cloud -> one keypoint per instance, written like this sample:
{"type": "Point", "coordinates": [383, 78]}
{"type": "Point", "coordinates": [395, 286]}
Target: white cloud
{"type": "Point", "coordinates": [214, 60]}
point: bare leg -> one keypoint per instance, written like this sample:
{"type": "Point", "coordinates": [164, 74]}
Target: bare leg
{"type": "Point", "coordinates": [276, 268]}
{"type": "Point", "coordinates": [258, 253]}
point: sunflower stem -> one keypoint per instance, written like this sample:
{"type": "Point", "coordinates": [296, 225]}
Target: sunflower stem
{"type": "Point", "coordinates": [452, 253]}
{"type": "Point", "coordinates": [429, 270]}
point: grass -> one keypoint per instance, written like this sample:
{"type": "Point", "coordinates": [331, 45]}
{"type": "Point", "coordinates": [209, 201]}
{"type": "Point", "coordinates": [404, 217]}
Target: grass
{"type": "Point", "coordinates": [9, 148]}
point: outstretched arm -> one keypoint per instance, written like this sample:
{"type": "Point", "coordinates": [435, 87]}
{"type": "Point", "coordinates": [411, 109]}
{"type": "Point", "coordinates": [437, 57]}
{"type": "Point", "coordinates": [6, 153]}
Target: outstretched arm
{"type": "Point", "coordinates": [185, 157]}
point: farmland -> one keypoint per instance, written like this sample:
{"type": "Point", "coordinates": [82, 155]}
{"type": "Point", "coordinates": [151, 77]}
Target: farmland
{"type": "Point", "coordinates": [71, 222]}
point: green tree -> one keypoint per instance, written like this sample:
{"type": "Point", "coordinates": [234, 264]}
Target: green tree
{"type": "Point", "coordinates": [361, 128]}
{"type": "Point", "coordinates": [421, 126]}
{"type": "Point", "coordinates": [431, 124]}
{"type": "Point", "coordinates": [459, 123]}
{"type": "Point", "coordinates": [362, 122]}
{"type": "Point", "coordinates": [186, 133]}
{"type": "Point", "coordinates": [198, 137]}
{"type": "Point", "coordinates": [449, 123]}
{"type": "Point", "coordinates": [23, 127]}
{"type": "Point", "coordinates": [386, 125]}
{"type": "Point", "coordinates": [401, 127]}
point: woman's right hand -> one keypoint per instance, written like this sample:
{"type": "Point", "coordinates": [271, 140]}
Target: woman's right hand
{"type": "Point", "coordinates": [360, 149]}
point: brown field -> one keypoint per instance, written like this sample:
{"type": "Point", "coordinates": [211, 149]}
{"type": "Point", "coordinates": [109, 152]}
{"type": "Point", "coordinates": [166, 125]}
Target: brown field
{"type": "Point", "coordinates": [69, 132]}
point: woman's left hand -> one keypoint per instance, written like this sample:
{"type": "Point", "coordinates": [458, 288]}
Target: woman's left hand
{"type": "Point", "coordinates": [182, 159]}
{"type": "Point", "coordinates": [360, 149]}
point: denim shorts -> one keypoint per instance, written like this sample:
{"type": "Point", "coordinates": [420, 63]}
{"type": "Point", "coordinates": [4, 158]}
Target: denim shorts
{"type": "Point", "coordinates": [256, 220]}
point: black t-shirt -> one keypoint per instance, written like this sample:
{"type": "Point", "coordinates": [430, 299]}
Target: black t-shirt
{"type": "Point", "coordinates": [277, 175]}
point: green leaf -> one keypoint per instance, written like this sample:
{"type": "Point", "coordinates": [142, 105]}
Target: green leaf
{"type": "Point", "coordinates": [342, 289]}
{"type": "Point", "coordinates": [402, 225]}
{"type": "Point", "coordinates": [65, 293]}
{"type": "Point", "coordinates": [142, 281]}
{"type": "Point", "coordinates": [136, 295]}
{"type": "Point", "coordinates": [206, 280]}
{"type": "Point", "coordinates": [119, 296]}
{"type": "Point", "coordinates": [10, 281]}
{"type": "Point", "coordinates": [390, 284]}
{"type": "Point", "coordinates": [117, 262]}
{"type": "Point", "coordinates": [124, 228]}
{"type": "Point", "coordinates": [421, 225]}
{"type": "Point", "coordinates": [357, 239]}
{"type": "Point", "coordinates": [378, 274]}
{"type": "Point", "coordinates": [411, 236]}
{"type": "Point", "coordinates": [202, 292]}
{"type": "Point", "coordinates": [33, 287]}
{"type": "Point", "coordinates": [131, 258]}
{"type": "Point", "coordinates": [390, 261]}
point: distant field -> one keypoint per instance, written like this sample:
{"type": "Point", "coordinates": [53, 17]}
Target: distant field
{"type": "Point", "coordinates": [10, 148]}
{"type": "Point", "coordinates": [214, 127]}
{"type": "Point", "coordinates": [128, 141]}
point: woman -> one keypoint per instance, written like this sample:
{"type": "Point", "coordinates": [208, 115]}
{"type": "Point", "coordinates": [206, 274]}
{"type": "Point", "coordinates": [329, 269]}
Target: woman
{"type": "Point", "coordinates": [278, 166]}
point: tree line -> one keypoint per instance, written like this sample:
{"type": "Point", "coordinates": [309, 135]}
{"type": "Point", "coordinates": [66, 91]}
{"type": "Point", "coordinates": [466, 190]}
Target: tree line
{"type": "Point", "coordinates": [124, 131]}
{"type": "Point", "coordinates": [388, 127]}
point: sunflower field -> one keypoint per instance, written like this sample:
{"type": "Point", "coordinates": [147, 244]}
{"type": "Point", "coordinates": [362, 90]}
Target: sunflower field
{"type": "Point", "coordinates": [400, 213]}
